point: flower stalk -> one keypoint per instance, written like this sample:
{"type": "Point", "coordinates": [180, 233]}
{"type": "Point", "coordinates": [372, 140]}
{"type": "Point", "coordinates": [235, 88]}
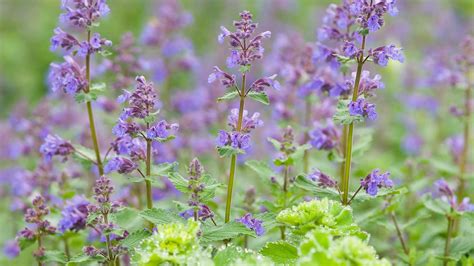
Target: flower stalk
{"type": "Point", "coordinates": [233, 159]}
{"type": "Point", "coordinates": [447, 244]}
{"type": "Point", "coordinates": [91, 114]}
{"type": "Point", "coordinates": [350, 133]}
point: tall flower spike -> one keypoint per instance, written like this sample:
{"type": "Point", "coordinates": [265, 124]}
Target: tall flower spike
{"type": "Point", "coordinates": [55, 145]}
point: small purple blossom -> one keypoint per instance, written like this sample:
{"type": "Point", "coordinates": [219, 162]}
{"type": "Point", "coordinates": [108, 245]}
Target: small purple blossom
{"type": "Point", "coordinates": [455, 145]}
{"type": "Point", "coordinates": [11, 249]}
{"type": "Point", "coordinates": [63, 40]}
{"type": "Point", "coordinates": [372, 182]}
{"type": "Point", "coordinates": [67, 76]}
{"type": "Point", "coordinates": [54, 145]}
{"type": "Point", "coordinates": [383, 54]}
{"type": "Point", "coordinates": [74, 214]}
{"type": "Point", "coordinates": [324, 137]}
{"type": "Point", "coordinates": [234, 139]}
{"type": "Point", "coordinates": [226, 79]}
{"type": "Point", "coordinates": [350, 50]}
{"type": "Point", "coordinates": [161, 130]}
{"type": "Point", "coordinates": [262, 83]}
{"type": "Point", "coordinates": [252, 223]}
{"type": "Point", "coordinates": [363, 108]}
{"type": "Point", "coordinates": [447, 194]}
{"type": "Point", "coordinates": [322, 179]}
{"type": "Point", "coordinates": [120, 164]}
{"type": "Point", "coordinates": [142, 102]}
{"type": "Point", "coordinates": [248, 123]}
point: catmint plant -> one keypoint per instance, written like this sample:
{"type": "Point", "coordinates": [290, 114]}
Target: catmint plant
{"type": "Point", "coordinates": [137, 132]}
{"type": "Point", "coordinates": [246, 47]}
{"type": "Point", "coordinates": [349, 25]}
{"type": "Point", "coordinates": [73, 75]}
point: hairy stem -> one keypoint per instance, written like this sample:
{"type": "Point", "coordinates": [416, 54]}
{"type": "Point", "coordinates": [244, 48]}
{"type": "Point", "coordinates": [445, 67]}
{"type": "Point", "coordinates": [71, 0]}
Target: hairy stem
{"type": "Point", "coordinates": [40, 246]}
{"type": "Point", "coordinates": [399, 233]}
{"type": "Point", "coordinates": [66, 248]}
{"type": "Point", "coordinates": [90, 113]}
{"type": "Point", "coordinates": [350, 134]}
{"type": "Point", "coordinates": [466, 134]}
{"type": "Point", "coordinates": [448, 240]}
{"type": "Point", "coordinates": [307, 121]}
{"type": "Point", "coordinates": [286, 182]}
{"type": "Point", "coordinates": [149, 199]}
{"type": "Point", "coordinates": [233, 159]}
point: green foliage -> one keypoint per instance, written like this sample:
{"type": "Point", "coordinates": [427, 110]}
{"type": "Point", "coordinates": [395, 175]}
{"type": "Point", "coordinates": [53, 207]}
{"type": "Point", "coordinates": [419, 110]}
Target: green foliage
{"type": "Point", "coordinates": [324, 214]}
{"type": "Point", "coordinates": [260, 97]}
{"type": "Point", "coordinates": [173, 243]}
{"type": "Point", "coordinates": [280, 252]}
{"type": "Point", "coordinates": [95, 91]}
{"type": "Point", "coordinates": [319, 247]}
{"type": "Point", "coordinates": [236, 256]}
{"type": "Point", "coordinates": [228, 96]}
{"type": "Point", "coordinates": [160, 216]}
{"type": "Point", "coordinates": [208, 192]}
{"type": "Point", "coordinates": [225, 231]}
{"type": "Point", "coordinates": [134, 239]}
{"type": "Point", "coordinates": [54, 256]}
{"type": "Point", "coordinates": [311, 186]}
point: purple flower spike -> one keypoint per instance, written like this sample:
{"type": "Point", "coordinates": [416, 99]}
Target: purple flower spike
{"type": "Point", "coordinates": [261, 84]}
{"type": "Point", "coordinates": [67, 76]}
{"type": "Point", "coordinates": [234, 139]}
{"type": "Point", "coordinates": [252, 223]}
{"type": "Point", "coordinates": [63, 40]}
{"type": "Point", "coordinates": [55, 145]}
{"type": "Point", "coordinates": [248, 123]}
{"type": "Point", "coordinates": [120, 164]}
{"type": "Point", "coordinates": [372, 182]}
{"type": "Point", "coordinates": [74, 214]}
{"type": "Point", "coordinates": [161, 130]}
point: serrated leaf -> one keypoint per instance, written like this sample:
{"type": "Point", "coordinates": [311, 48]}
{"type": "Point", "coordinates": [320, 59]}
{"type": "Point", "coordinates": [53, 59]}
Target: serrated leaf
{"type": "Point", "coordinates": [245, 69]}
{"type": "Point", "coordinates": [25, 243]}
{"type": "Point", "coordinates": [54, 256]}
{"type": "Point", "coordinates": [262, 169]}
{"type": "Point", "coordinates": [460, 246]}
{"type": "Point", "coordinates": [128, 219]}
{"type": "Point", "coordinates": [225, 231]}
{"type": "Point", "coordinates": [311, 186]}
{"type": "Point", "coordinates": [276, 144]}
{"type": "Point", "coordinates": [261, 97]}
{"type": "Point", "coordinates": [83, 258]}
{"type": "Point", "coordinates": [163, 169]}
{"type": "Point", "coordinates": [228, 96]}
{"type": "Point", "coordinates": [160, 216]}
{"type": "Point", "coordinates": [135, 238]}
{"type": "Point", "coordinates": [280, 252]}
{"type": "Point", "coordinates": [436, 205]}
{"type": "Point", "coordinates": [227, 256]}
{"type": "Point", "coordinates": [179, 182]}
{"type": "Point", "coordinates": [226, 151]}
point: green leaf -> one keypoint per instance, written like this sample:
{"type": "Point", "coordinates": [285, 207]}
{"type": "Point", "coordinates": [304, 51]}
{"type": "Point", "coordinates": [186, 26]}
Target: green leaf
{"type": "Point", "coordinates": [82, 259]}
{"type": "Point", "coordinates": [163, 169]}
{"type": "Point", "coordinates": [95, 90]}
{"type": "Point", "coordinates": [225, 231]}
{"type": "Point", "coordinates": [54, 256]}
{"type": "Point", "coordinates": [280, 252]}
{"type": "Point", "coordinates": [160, 216]}
{"type": "Point", "coordinates": [342, 115]}
{"type": "Point", "coordinates": [84, 155]}
{"type": "Point", "coordinates": [228, 96]}
{"type": "Point", "coordinates": [179, 182]}
{"type": "Point", "coordinates": [276, 144]}
{"type": "Point", "coordinates": [245, 69]}
{"type": "Point", "coordinates": [283, 161]}
{"type": "Point", "coordinates": [24, 243]}
{"type": "Point", "coordinates": [262, 169]}
{"type": "Point", "coordinates": [261, 97]}
{"type": "Point", "coordinates": [460, 246]}
{"type": "Point", "coordinates": [227, 151]}
{"type": "Point", "coordinates": [128, 219]}
{"type": "Point", "coordinates": [311, 186]}
{"type": "Point", "coordinates": [210, 187]}
{"type": "Point", "coordinates": [91, 217]}
{"type": "Point", "coordinates": [436, 205]}
{"type": "Point", "coordinates": [135, 238]}
{"type": "Point", "coordinates": [227, 256]}
{"type": "Point", "coordinates": [364, 31]}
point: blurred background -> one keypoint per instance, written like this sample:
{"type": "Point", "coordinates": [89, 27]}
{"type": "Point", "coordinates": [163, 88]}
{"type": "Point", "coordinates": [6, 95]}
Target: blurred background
{"type": "Point", "coordinates": [27, 25]}
{"type": "Point", "coordinates": [414, 107]}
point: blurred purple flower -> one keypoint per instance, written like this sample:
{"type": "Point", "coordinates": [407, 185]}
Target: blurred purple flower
{"type": "Point", "coordinates": [74, 214]}
{"type": "Point", "coordinates": [252, 223]}
{"type": "Point", "coordinates": [55, 145]}
{"type": "Point", "coordinates": [372, 182]}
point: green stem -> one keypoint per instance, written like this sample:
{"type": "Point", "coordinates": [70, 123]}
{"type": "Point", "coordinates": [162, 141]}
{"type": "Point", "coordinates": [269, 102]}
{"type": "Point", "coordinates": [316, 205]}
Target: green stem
{"type": "Point", "coordinates": [307, 122]}
{"type": "Point", "coordinates": [350, 134]}
{"type": "Point", "coordinates": [66, 248]}
{"type": "Point", "coordinates": [399, 233]}
{"type": "Point", "coordinates": [465, 152]}
{"type": "Point", "coordinates": [149, 199]}
{"type": "Point", "coordinates": [343, 148]}
{"type": "Point", "coordinates": [40, 246]}
{"type": "Point", "coordinates": [286, 182]}
{"type": "Point", "coordinates": [448, 240]}
{"type": "Point", "coordinates": [108, 243]}
{"type": "Point", "coordinates": [91, 114]}
{"type": "Point", "coordinates": [233, 159]}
